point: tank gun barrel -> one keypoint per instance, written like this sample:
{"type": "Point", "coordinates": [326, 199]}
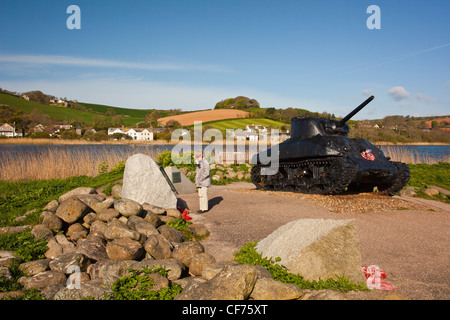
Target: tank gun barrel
{"type": "Point", "coordinates": [357, 109]}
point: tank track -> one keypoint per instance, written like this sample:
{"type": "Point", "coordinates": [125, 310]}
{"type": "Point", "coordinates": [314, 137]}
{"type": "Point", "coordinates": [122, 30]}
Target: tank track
{"type": "Point", "coordinates": [329, 175]}
{"type": "Point", "coordinates": [400, 182]}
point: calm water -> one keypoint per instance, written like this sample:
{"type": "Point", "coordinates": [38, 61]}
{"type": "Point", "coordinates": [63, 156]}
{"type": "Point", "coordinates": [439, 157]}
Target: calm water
{"type": "Point", "coordinates": [422, 152]}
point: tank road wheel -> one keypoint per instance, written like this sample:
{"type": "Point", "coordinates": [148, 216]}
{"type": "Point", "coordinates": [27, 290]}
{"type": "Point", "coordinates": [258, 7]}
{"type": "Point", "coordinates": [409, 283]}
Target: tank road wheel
{"type": "Point", "coordinates": [332, 176]}
{"type": "Point", "coordinates": [400, 181]}
{"type": "Point", "coordinates": [255, 175]}
{"type": "Point", "coordinates": [318, 176]}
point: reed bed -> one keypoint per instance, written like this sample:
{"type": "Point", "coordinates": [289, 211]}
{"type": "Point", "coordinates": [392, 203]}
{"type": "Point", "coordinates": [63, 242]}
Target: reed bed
{"type": "Point", "coordinates": [38, 141]}
{"type": "Point", "coordinates": [63, 162]}
{"type": "Point", "coordinates": [412, 156]}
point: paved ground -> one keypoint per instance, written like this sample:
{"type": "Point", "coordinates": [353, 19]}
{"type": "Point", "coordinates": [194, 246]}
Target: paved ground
{"type": "Point", "coordinates": [411, 246]}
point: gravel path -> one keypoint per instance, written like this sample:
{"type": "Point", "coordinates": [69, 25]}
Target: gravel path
{"type": "Point", "coordinates": [406, 238]}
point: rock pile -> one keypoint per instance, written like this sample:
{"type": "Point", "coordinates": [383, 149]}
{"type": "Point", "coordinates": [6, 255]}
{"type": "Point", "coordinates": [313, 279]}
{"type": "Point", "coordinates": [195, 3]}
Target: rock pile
{"type": "Point", "coordinates": [94, 240]}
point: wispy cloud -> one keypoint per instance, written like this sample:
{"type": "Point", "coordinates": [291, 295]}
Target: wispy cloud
{"type": "Point", "coordinates": [424, 98]}
{"type": "Point", "coordinates": [398, 93]}
{"type": "Point", "coordinates": [47, 60]}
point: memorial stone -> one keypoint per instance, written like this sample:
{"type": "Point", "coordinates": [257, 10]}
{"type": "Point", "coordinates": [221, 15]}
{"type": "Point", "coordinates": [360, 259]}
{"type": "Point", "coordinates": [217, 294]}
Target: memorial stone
{"type": "Point", "coordinates": [144, 182]}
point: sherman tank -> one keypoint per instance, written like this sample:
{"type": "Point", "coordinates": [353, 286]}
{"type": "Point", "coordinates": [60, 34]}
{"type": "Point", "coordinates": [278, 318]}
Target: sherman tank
{"type": "Point", "coordinates": [320, 158]}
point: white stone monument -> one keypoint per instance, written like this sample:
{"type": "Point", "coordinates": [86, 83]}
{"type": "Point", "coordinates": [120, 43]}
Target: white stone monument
{"type": "Point", "coordinates": [144, 182]}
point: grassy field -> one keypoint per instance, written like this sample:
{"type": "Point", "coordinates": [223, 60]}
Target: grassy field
{"type": "Point", "coordinates": [222, 125]}
{"type": "Point", "coordinates": [131, 116]}
{"type": "Point", "coordinates": [64, 114]}
{"type": "Point", "coordinates": [100, 108]}
{"type": "Point", "coordinates": [188, 119]}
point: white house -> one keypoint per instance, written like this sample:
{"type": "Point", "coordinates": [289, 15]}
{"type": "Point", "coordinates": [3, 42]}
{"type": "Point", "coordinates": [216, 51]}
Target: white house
{"type": "Point", "coordinates": [111, 131]}
{"type": "Point", "coordinates": [135, 133]}
{"type": "Point", "coordinates": [255, 128]}
{"type": "Point", "coordinates": [242, 135]}
{"type": "Point", "coordinates": [146, 135]}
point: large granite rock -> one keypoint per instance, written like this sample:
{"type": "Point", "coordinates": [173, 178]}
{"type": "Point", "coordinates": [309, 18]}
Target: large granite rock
{"type": "Point", "coordinates": [316, 248]}
{"type": "Point", "coordinates": [144, 182]}
{"type": "Point", "coordinates": [71, 210]}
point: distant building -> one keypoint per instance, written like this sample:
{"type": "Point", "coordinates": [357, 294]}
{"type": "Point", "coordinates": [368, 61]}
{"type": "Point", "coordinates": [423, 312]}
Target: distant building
{"type": "Point", "coordinates": [8, 130]}
{"type": "Point", "coordinates": [59, 103]}
{"type": "Point", "coordinates": [39, 128]}
{"type": "Point", "coordinates": [255, 128]}
{"type": "Point", "coordinates": [137, 134]}
{"type": "Point", "coordinates": [64, 126]}
{"type": "Point", "coordinates": [91, 131]}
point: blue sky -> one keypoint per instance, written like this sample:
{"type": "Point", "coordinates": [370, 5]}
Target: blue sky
{"type": "Point", "coordinates": [315, 54]}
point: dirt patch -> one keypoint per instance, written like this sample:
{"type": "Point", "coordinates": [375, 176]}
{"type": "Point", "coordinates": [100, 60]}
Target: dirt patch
{"type": "Point", "coordinates": [205, 116]}
{"type": "Point", "coordinates": [350, 203]}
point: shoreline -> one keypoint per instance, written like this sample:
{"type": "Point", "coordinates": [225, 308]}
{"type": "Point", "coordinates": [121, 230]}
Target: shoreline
{"type": "Point", "coordinates": [31, 141]}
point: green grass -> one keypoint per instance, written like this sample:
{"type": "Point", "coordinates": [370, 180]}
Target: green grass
{"type": "Point", "coordinates": [430, 174]}
{"type": "Point", "coordinates": [241, 123]}
{"type": "Point", "coordinates": [26, 246]}
{"type": "Point", "coordinates": [139, 286]}
{"type": "Point", "coordinates": [423, 175]}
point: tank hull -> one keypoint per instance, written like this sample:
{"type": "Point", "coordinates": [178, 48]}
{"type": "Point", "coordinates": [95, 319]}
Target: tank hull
{"type": "Point", "coordinates": [331, 165]}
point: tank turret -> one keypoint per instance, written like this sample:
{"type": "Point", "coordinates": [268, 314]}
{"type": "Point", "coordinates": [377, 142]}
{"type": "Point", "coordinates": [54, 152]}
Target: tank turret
{"type": "Point", "coordinates": [320, 158]}
{"type": "Point", "coordinates": [309, 126]}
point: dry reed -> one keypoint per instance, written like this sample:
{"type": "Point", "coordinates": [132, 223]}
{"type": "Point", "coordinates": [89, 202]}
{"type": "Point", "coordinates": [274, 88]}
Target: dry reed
{"type": "Point", "coordinates": [63, 162]}
{"type": "Point", "coordinates": [411, 156]}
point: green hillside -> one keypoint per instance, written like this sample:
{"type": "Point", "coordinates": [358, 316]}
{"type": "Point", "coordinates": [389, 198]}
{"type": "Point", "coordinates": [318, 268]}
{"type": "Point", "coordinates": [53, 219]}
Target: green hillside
{"type": "Point", "coordinates": [133, 113]}
{"type": "Point", "coordinates": [131, 116]}
{"type": "Point", "coordinates": [64, 114]}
